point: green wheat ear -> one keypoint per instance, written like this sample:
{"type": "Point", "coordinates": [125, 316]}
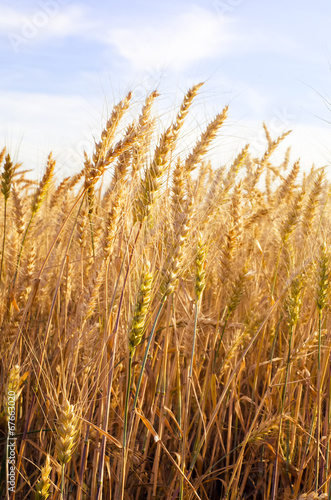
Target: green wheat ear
{"type": "Point", "coordinates": [44, 185]}
{"type": "Point", "coordinates": [7, 177]}
{"type": "Point", "coordinates": [200, 263]}
{"type": "Point", "coordinates": [293, 301]}
{"type": "Point", "coordinates": [13, 386]}
{"type": "Point", "coordinates": [43, 485]}
{"type": "Point", "coordinates": [141, 309]}
{"type": "Point", "coordinates": [323, 279]}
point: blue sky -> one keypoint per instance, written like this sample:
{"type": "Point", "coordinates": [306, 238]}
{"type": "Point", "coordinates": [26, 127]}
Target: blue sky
{"type": "Point", "coordinates": [64, 63]}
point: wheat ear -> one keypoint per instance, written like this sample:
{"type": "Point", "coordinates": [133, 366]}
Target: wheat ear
{"type": "Point", "coordinates": [6, 184]}
{"type": "Point", "coordinates": [66, 437]}
{"type": "Point", "coordinates": [107, 135]}
{"type": "Point", "coordinates": [67, 433]}
{"type": "Point", "coordinates": [184, 109]}
{"type": "Point", "coordinates": [145, 127]}
{"type": "Point", "coordinates": [151, 182]}
{"type": "Point", "coordinates": [141, 309]}
{"type": "Point", "coordinates": [13, 388]}
{"type": "Point", "coordinates": [205, 140]}
{"type": "Point", "coordinates": [43, 187]}
{"type": "Point", "coordinates": [172, 266]}
{"type": "Point", "coordinates": [43, 485]}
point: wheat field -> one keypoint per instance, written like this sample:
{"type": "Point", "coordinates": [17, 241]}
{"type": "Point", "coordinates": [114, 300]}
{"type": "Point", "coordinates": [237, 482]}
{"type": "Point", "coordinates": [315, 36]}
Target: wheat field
{"type": "Point", "coordinates": [165, 326]}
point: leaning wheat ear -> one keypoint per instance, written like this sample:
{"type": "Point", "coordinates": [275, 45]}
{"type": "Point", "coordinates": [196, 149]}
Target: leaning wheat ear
{"type": "Point", "coordinates": [44, 185]}
{"type": "Point", "coordinates": [205, 140]}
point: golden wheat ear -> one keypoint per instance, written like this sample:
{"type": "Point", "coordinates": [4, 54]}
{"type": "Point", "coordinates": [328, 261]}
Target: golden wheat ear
{"type": "Point", "coordinates": [6, 186]}
{"type": "Point", "coordinates": [205, 141]}
{"type": "Point", "coordinates": [66, 433]}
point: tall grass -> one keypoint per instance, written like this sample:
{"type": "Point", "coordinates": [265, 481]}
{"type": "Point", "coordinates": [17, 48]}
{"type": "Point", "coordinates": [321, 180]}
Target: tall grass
{"type": "Point", "coordinates": [164, 323]}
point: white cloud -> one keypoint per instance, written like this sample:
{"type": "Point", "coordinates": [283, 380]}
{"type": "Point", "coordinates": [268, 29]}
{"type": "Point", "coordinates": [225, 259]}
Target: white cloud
{"type": "Point", "coordinates": [192, 36]}
{"type": "Point", "coordinates": [178, 42]}
{"type": "Point", "coordinates": [48, 20]}
{"type": "Point", "coordinates": [11, 18]}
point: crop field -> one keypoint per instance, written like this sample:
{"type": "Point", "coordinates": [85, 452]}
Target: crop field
{"type": "Point", "coordinates": [164, 322]}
